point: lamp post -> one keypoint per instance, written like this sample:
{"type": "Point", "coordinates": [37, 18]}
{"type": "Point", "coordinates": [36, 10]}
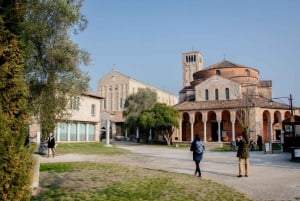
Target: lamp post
{"type": "Point", "coordinates": [106, 119]}
{"type": "Point", "coordinates": [290, 98]}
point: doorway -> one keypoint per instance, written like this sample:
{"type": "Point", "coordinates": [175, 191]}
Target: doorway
{"type": "Point", "coordinates": [214, 131]}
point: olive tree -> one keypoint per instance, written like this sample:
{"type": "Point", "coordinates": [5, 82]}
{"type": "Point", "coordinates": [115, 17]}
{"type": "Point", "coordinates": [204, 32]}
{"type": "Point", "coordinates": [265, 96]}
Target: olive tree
{"type": "Point", "coordinates": [53, 59]}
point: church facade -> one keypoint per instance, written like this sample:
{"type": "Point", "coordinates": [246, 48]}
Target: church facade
{"type": "Point", "coordinates": [115, 87]}
{"type": "Point", "coordinates": [219, 101]}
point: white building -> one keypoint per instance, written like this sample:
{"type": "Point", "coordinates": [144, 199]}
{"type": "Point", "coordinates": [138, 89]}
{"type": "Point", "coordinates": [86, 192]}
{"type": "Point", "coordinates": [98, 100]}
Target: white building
{"type": "Point", "coordinates": [82, 125]}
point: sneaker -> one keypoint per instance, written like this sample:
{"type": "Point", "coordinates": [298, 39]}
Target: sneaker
{"type": "Point", "coordinates": [239, 176]}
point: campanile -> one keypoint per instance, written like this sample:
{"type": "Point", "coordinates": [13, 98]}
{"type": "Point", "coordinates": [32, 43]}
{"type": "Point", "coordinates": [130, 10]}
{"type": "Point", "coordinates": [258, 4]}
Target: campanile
{"type": "Point", "coordinates": [191, 63]}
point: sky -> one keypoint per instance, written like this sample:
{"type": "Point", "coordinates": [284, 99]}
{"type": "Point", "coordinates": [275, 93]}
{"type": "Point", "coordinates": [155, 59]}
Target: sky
{"type": "Point", "coordinates": [145, 39]}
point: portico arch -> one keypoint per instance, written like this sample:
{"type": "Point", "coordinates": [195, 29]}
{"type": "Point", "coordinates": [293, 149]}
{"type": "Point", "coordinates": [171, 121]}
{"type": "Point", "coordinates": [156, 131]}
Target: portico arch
{"type": "Point", "coordinates": [237, 125]}
{"type": "Point", "coordinates": [266, 126]}
{"type": "Point", "coordinates": [198, 125]}
{"type": "Point", "coordinates": [276, 125]}
{"type": "Point", "coordinates": [226, 127]}
{"type": "Point", "coordinates": [186, 127]}
{"type": "Point", "coordinates": [212, 126]}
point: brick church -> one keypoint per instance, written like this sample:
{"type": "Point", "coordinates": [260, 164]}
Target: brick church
{"type": "Point", "coordinates": [214, 98]}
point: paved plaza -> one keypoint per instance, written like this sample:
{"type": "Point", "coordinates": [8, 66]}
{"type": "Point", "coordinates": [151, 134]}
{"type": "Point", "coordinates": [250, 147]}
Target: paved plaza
{"type": "Point", "coordinates": [272, 176]}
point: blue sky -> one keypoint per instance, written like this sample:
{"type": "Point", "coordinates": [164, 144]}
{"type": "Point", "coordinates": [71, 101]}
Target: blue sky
{"type": "Point", "coordinates": [145, 39]}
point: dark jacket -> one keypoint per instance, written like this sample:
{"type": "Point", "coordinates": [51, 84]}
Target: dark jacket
{"type": "Point", "coordinates": [243, 149]}
{"type": "Point", "coordinates": [51, 142]}
{"type": "Point", "coordinates": [197, 147]}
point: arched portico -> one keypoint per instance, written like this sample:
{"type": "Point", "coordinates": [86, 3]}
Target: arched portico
{"type": "Point", "coordinates": [266, 126]}
{"type": "Point", "coordinates": [198, 125]}
{"type": "Point", "coordinates": [186, 127]}
{"type": "Point", "coordinates": [226, 126]}
{"type": "Point", "coordinates": [212, 127]}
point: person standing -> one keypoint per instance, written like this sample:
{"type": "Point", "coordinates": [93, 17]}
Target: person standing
{"type": "Point", "coordinates": [243, 153]}
{"type": "Point", "coordinates": [197, 147]}
{"type": "Point", "coordinates": [51, 145]}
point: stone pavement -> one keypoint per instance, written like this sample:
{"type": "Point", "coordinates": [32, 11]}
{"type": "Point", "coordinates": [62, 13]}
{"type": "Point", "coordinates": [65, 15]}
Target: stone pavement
{"type": "Point", "coordinates": [271, 177]}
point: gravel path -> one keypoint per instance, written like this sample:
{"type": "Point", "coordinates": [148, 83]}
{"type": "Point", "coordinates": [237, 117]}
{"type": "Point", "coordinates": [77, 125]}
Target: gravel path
{"type": "Point", "coordinates": [272, 176]}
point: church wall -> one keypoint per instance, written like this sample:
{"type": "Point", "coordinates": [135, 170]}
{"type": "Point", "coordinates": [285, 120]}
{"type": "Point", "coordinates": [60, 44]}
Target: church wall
{"type": "Point", "coordinates": [219, 83]}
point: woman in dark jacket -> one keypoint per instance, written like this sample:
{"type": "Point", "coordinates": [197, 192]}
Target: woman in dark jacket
{"type": "Point", "coordinates": [197, 147]}
{"type": "Point", "coordinates": [243, 153]}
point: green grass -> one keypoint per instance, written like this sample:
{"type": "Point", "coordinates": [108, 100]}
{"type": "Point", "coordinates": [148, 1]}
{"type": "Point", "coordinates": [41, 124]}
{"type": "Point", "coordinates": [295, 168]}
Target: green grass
{"type": "Point", "coordinates": [88, 148]}
{"type": "Point", "coordinates": [105, 181]}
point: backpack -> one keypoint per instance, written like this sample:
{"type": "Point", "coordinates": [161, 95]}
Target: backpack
{"type": "Point", "coordinates": [198, 147]}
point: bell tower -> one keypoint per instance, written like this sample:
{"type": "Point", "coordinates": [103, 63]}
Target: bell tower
{"type": "Point", "coordinates": [191, 63]}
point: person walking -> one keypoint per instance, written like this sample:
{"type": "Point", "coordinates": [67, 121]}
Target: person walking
{"type": "Point", "coordinates": [51, 145]}
{"type": "Point", "coordinates": [243, 153]}
{"type": "Point", "coordinates": [197, 147]}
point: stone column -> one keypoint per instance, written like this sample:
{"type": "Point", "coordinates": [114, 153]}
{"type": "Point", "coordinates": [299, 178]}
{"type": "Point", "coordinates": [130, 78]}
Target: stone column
{"type": "Point", "coordinates": [204, 116]}
{"type": "Point", "coordinates": [219, 119]}
{"type": "Point", "coordinates": [107, 133]}
{"type": "Point", "coordinates": [68, 132]}
{"type": "Point", "coordinates": [192, 120]}
{"type": "Point", "coordinates": [232, 119]}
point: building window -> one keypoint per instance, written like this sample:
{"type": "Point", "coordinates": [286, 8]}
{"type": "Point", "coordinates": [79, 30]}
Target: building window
{"type": "Point", "coordinates": [206, 94]}
{"type": "Point", "coordinates": [227, 93]}
{"type": "Point", "coordinates": [218, 72]}
{"type": "Point", "coordinates": [216, 94]}
{"type": "Point", "coordinates": [121, 103]}
{"type": "Point", "coordinates": [93, 109]}
{"type": "Point", "coordinates": [74, 103]}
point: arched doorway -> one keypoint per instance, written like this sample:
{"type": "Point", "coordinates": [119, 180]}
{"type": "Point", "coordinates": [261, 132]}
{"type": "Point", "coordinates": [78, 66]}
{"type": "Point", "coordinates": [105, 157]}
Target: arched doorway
{"type": "Point", "coordinates": [226, 126]}
{"type": "Point", "coordinates": [237, 124]}
{"type": "Point", "coordinates": [198, 125]}
{"type": "Point", "coordinates": [277, 126]}
{"type": "Point", "coordinates": [266, 126]}
{"type": "Point", "coordinates": [212, 127]}
{"type": "Point", "coordinates": [186, 127]}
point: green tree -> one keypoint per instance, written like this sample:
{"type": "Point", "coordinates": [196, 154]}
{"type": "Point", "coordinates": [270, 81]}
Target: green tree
{"type": "Point", "coordinates": [53, 59]}
{"type": "Point", "coordinates": [162, 118]}
{"type": "Point", "coordinates": [135, 104]}
{"type": "Point", "coordinates": [15, 159]}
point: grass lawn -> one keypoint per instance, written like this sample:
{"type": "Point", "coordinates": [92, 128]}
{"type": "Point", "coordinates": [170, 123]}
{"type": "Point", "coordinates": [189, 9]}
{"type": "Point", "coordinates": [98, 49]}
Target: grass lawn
{"type": "Point", "coordinates": [88, 148]}
{"type": "Point", "coordinates": [98, 181]}
{"type": "Point", "coordinates": [112, 181]}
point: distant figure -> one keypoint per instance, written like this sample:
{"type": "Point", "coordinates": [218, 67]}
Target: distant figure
{"type": "Point", "coordinates": [243, 153]}
{"type": "Point", "coordinates": [51, 145]}
{"type": "Point", "coordinates": [197, 147]}
{"type": "Point", "coordinates": [259, 142]}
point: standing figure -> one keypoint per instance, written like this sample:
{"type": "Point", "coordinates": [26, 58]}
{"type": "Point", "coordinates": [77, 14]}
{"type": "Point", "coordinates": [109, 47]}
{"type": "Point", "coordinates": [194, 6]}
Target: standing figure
{"type": "Point", "coordinates": [51, 145]}
{"type": "Point", "coordinates": [259, 142]}
{"type": "Point", "coordinates": [243, 153]}
{"type": "Point", "coordinates": [197, 147]}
